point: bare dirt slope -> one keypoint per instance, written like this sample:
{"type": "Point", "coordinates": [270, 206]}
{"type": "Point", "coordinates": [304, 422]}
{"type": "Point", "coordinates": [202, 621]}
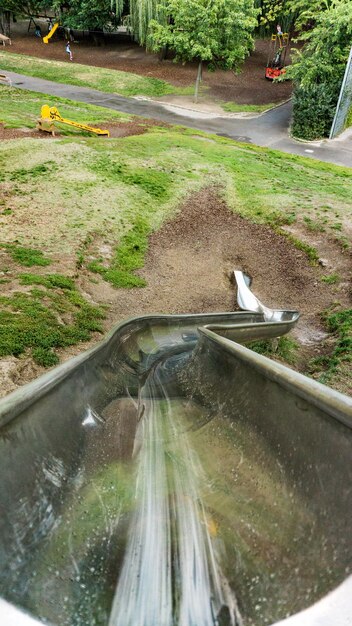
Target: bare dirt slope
{"type": "Point", "coordinates": [190, 262]}
{"type": "Point", "coordinates": [188, 270]}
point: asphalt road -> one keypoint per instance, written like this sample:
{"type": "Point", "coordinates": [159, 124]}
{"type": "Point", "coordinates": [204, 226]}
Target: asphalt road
{"type": "Point", "coordinates": [269, 130]}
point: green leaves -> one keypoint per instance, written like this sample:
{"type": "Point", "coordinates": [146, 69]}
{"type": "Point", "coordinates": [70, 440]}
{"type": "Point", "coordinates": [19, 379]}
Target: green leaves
{"type": "Point", "coordinates": [88, 15]}
{"type": "Point", "coordinates": [216, 31]}
{"type": "Point", "coordinates": [319, 69]}
{"type": "Point", "coordinates": [292, 15]}
{"type": "Point", "coordinates": [142, 12]}
{"type": "Point", "coordinates": [25, 7]}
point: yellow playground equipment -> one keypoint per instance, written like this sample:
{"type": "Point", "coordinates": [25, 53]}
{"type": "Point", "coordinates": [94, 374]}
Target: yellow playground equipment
{"type": "Point", "coordinates": [50, 34]}
{"type": "Point", "coordinates": [49, 115]}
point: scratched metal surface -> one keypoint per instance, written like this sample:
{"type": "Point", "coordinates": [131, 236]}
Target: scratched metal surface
{"type": "Point", "coordinates": [84, 483]}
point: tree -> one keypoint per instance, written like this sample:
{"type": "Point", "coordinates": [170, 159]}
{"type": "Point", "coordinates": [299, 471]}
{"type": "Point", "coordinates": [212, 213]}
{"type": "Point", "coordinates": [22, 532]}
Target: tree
{"type": "Point", "coordinates": [88, 15]}
{"type": "Point", "coordinates": [306, 12]}
{"type": "Point", "coordinates": [274, 12]}
{"type": "Point", "coordinates": [24, 7]}
{"type": "Point", "coordinates": [142, 12]}
{"type": "Point", "coordinates": [292, 15]}
{"type": "Point", "coordinates": [318, 71]}
{"type": "Point", "coordinates": [218, 32]}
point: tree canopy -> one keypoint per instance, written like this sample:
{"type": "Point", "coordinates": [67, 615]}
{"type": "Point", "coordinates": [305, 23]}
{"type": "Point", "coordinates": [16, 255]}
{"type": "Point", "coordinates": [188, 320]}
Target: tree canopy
{"type": "Point", "coordinates": [318, 70]}
{"type": "Point", "coordinates": [216, 31]}
{"type": "Point", "coordinates": [25, 7]}
{"type": "Point", "coordinates": [293, 15]}
{"type": "Point", "coordinates": [141, 13]}
{"type": "Point", "coordinates": [87, 14]}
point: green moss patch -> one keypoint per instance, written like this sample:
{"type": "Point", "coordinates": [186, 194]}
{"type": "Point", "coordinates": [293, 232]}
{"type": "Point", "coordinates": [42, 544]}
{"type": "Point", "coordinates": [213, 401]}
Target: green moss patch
{"type": "Point", "coordinates": [26, 256]}
{"type": "Point", "coordinates": [129, 257]}
{"type": "Point", "coordinates": [339, 323]}
{"type": "Point", "coordinates": [283, 348]}
{"type": "Point", "coordinates": [50, 281]}
{"type": "Point", "coordinates": [35, 321]}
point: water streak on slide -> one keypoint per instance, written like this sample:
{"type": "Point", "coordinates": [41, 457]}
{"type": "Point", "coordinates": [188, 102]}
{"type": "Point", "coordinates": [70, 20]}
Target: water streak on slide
{"type": "Point", "coordinates": [169, 544]}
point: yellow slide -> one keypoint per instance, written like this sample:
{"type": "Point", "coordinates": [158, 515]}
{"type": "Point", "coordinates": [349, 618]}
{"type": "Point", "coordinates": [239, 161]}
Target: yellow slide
{"type": "Point", "coordinates": [54, 28]}
{"type": "Point", "coordinates": [51, 113]}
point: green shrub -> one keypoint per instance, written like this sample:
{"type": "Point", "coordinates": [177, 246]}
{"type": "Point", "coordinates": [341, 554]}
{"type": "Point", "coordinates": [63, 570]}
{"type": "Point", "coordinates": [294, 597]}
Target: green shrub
{"type": "Point", "coordinates": [318, 70]}
{"type": "Point", "coordinates": [313, 111]}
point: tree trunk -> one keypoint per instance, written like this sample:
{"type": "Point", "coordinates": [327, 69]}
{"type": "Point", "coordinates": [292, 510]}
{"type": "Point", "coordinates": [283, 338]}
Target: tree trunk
{"type": "Point", "coordinates": [5, 23]}
{"type": "Point", "coordinates": [163, 53]}
{"type": "Point", "coordinates": [199, 78]}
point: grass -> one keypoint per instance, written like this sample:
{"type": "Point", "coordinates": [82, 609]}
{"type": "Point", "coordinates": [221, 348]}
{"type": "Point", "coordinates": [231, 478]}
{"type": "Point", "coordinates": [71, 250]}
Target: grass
{"type": "Point", "coordinates": [313, 225]}
{"type": "Point", "coordinates": [32, 321]}
{"type": "Point", "coordinates": [19, 109]}
{"type": "Point", "coordinates": [309, 250]}
{"type": "Point", "coordinates": [91, 186]}
{"type": "Point", "coordinates": [95, 202]}
{"type": "Point", "coordinates": [233, 107]}
{"type": "Point", "coordinates": [109, 81]}
{"type": "Point", "coordinates": [283, 348]}
{"type": "Point", "coordinates": [331, 279]}
{"type": "Point", "coordinates": [26, 256]}
{"type": "Point", "coordinates": [129, 256]}
{"type": "Point", "coordinates": [329, 366]}
{"type": "Point", "coordinates": [50, 281]}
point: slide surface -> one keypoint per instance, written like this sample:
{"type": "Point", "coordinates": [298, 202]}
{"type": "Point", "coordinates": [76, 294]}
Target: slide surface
{"type": "Point", "coordinates": [50, 34]}
{"type": "Point", "coordinates": [171, 475]}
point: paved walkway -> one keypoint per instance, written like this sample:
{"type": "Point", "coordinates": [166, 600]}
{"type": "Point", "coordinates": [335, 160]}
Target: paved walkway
{"type": "Point", "coordinates": [269, 129]}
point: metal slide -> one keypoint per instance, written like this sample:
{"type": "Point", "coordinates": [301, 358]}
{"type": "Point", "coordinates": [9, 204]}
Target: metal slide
{"type": "Point", "coordinates": [172, 476]}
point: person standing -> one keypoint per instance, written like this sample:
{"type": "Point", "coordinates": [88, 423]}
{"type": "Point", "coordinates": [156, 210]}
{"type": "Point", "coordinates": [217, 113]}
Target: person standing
{"type": "Point", "coordinates": [69, 51]}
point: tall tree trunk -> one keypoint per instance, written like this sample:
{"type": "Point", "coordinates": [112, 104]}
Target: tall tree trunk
{"type": "Point", "coordinates": [199, 78]}
{"type": "Point", "coordinates": [163, 53]}
{"type": "Point", "coordinates": [5, 23]}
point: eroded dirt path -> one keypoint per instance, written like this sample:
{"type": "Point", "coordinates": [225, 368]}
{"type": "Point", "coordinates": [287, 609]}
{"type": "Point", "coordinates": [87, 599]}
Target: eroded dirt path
{"type": "Point", "coordinates": [190, 261]}
{"type": "Point", "coordinates": [189, 268]}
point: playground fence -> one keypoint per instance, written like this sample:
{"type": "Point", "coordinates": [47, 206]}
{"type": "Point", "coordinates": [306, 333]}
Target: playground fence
{"type": "Point", "coordinates": [344, 101]}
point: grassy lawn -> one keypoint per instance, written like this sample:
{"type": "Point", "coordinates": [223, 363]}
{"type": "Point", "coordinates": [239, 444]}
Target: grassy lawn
{"type": "Point", "coordinates": [66, 199]}
{"type": "Point", "coordinates": [232, 107]}
{"type": "Point", "coordinates": [110, 81]}
{"type": "Point", "coordinates": [21, 110]}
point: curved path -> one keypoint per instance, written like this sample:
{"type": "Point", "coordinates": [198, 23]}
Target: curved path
{"type": "Point", "coordinates": [268, 130]}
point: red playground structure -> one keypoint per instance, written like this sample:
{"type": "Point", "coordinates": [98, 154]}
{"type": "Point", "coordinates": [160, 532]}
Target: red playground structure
{"type": "Point", "coordinates": [277, 54]}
